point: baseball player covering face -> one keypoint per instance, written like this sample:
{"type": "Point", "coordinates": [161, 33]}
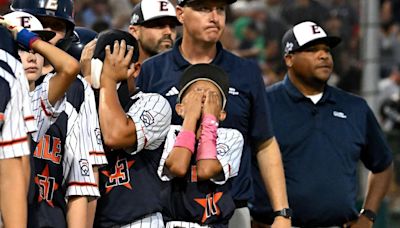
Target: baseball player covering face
{"type": "Point", "coordinates": [199, 158]}
{"type": "Point", "coordinates": [13, 136]}
{"type": "Point", "coordinates": [129, 185]}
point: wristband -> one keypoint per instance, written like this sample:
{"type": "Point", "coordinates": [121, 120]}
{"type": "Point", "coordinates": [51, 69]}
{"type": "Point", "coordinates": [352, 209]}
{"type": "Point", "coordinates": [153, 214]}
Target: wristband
{"type": "Point", "coordinates": [186, 139]}
{"type": "Point", "coordinates": [26, 38]}
{"type": "Point", "coordinates": [207, 148]}
{"type": "Point", "coordinates": [369, 214]}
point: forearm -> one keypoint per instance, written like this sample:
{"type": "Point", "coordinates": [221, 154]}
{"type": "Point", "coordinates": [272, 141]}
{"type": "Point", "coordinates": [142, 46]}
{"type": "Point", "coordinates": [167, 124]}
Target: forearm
{"type": "Point", "coordinates": [65, 66]}
{"type": "Point", "coordinates": [77, 212]}
{"type": "Point", "coordinates": [13, 193]}
{"type": "Point", "coordinates": [117, 129]}
{"type": "Point", "coordinates": [271, 169]}
{"type": "Point", "coordinates": [92, 204]}
{"type": "Point", "coordinates": [208, 169]}
{"type": "Point", "coordinates": [378, 186]}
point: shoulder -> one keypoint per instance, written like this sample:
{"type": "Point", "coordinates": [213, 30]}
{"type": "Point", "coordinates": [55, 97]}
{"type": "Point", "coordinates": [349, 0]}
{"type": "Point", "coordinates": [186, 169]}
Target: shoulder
{"type": "Point", "coordinates": [5, 93]}
{"type": "Point", "coordinates": [157, 59]}
{"type": "Point", "coordinates": [229, 133]}
{"type": "Point", "coordinates": [76, 92]}
{"type": "Point", "coordinates": [347, 98]}
{"type": "Point", "coordinates": [150, 97]}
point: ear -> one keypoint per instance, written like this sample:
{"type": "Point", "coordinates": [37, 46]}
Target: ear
{"type": "Point", "coordinates": [180, 14]}
{"type": "Point", "coordinates": [134, 31]}
{"type": "Point", "coordinates": [136, 66]}
{"type": "Point", "coordinates": [222, 115]}
{"type": "Point", "coordinates": [289, 60]}
{"type": "Point", "coordinates": [179, 109]}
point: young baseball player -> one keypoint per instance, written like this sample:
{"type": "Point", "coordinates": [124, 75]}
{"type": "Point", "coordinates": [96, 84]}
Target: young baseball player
{"type": "Point", "coordinates": [13, 136]}
{"type": "Point", "coordinates": [48, 97]}
{"type": "Point", "coordinates": [129, 184]}
{"type": "Point", "coordinates": [199, 158]}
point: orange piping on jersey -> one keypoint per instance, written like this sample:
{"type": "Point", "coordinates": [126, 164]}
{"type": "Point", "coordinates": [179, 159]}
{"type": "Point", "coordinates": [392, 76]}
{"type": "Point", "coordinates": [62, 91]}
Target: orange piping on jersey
{"type": "Point", "coordinates": [96, 153]}
{"type": "Point", "coordinates": [1, 116]}
{"type": "Point", "coordinates": [44, 108]}
{"type": "Point", "coordinates": [29, 118]}
{"type": "Point", "coordinates": [82, 184]}
{"type": "Point", "coordinates": [9, 143]}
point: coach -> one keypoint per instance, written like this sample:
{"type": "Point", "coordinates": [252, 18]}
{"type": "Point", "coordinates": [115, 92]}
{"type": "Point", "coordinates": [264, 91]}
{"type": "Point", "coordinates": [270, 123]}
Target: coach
{"type": "Point", "coordinates": [203, 24]}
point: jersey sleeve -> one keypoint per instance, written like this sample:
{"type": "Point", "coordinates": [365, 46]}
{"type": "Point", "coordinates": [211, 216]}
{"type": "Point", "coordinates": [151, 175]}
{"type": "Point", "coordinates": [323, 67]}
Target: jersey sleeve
{"type": "Point", "coordinates": [229, 152]}
{"type": "Point", "coordinates": [78, 171]}
{"type": "Point", "coordinates": [29, 117]}
{"type": "Point", "coordinates": [152, 117]}
{"type": "Point", "coordinates": [91, 128]}
{"type": "Point", "coordinates": [162, 171]}
{"type": "Point", "coordinates": [13, 135]}
{"type": "Point", "coordinates": [45, 113]}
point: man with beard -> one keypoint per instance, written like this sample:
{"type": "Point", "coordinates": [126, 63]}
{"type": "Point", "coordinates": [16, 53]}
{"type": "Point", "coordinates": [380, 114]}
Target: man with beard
{"type": "Point", "coordinates": [153, 24]}
{"type": "Point", "coordinates": [323, 133]}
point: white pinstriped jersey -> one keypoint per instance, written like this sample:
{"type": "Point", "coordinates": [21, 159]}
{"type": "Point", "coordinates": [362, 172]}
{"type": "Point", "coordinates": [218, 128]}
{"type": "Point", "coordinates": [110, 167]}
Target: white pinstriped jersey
{"type": "Point", "coordinates": [79, 178]}
{"type": "Point", "coordinates": [62, 165]}
{"type": "Point", "coordinates": [13, 135]}
{"type": "Point", "coordinates": [151, 114]}
{"type": "Point", "coordinates": [229, 152]}
{"type": "Point", "coordinates": [44, 113]}
{"type": "Point", "coordinates": [19, 73]}
{"type": "Point", "coordinates": [90, 126]}
{"type": "Point", "coordinates": [128, 169]}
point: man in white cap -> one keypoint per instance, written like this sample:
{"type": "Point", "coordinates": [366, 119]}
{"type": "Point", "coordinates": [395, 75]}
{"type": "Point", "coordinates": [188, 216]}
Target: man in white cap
{"type": "Point", "coordinates": [153, 24]}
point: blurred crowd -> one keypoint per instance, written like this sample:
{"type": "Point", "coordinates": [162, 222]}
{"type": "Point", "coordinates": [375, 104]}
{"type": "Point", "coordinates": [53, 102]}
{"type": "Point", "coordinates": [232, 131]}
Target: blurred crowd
{"type": "Point", "coordinates": [255, 28]}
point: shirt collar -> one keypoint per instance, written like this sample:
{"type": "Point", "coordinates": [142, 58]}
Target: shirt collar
{"type": "Point", "coordinates": [182, 63]}
{"type": "Point", "coordinates": [297, 96]}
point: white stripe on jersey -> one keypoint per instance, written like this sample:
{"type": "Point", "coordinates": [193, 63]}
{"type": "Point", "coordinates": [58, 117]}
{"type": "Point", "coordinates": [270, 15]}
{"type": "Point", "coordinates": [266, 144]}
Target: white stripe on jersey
{"type": "Point", "coordinates": [90, 126]}
{"type": "Point", "coordinates": [19, 73]}
{"type": "Point", "coordinates": [13, 136]}
{"type": "Point", "coordinates": [182, 224]}
{"type": "Point", "coordinates": [154, 220]}
{"type": "Point", "coordinates": [77, 169]}
{"type": "Point", "coordinates": [229, 152]}
{"type": "Point", "coordinates": [151, 114]}
{"type": "Point", "coordinates": [44, 113]}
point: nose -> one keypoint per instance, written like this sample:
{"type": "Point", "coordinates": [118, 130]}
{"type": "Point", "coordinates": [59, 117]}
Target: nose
{"type": "Point", "coordinates": [214, 14]}
{"type": "Point", "coordinates": [31, 57]}
{"type": "Point", "coordinates": [324, 54]}
{"type": "Point", "coordinates": [168, 29]}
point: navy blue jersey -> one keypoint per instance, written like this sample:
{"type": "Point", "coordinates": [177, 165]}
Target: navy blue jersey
{"type": "Point", "coordinates": [203, 202]}
{"type": "Point", "coordinates": [321, 145]}
{"type": "Point", "coordinates": [60, 166]}
{"type": "Point", "coordinates": [246, 106]}
{"type": "Point", "coordinates": [129, 185]}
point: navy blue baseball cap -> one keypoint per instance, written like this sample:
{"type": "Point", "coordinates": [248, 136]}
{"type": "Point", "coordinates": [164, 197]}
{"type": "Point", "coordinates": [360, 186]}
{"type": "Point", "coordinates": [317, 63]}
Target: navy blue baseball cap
{"type": "Point", "coordinates": [305, 34]}
{"type": "Point", "coordinates": [205, 72]}
{"type": "Point", "coordinates": [184, 2]}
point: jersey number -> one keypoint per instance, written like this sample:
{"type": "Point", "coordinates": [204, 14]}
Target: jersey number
{"type": "Point", "coordinates": [121, 174]}
{"type": "Point", "coordinates": [46, 188]}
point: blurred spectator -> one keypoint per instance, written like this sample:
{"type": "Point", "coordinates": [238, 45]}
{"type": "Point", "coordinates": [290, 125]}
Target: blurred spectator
{"type": "Point", "coordinates": [390, 46]}
{"type": "Point", "coordinates": [304, 10]}
{"type": "Point", "coordinates": [97, 12]}
{"type": "Point", "coordinates": [121, 11]}
{"type": "Point", "coordinates": [389, 86]}
{"type": "Point", "coordinates": [4, 7]}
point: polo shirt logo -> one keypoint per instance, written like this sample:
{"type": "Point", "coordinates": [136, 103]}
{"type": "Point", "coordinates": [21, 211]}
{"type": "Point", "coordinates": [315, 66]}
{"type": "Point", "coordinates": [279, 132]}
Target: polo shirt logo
{"type": "Point", "coordinates": [339, 114]}
{"type": "Point", "coordinates": [233, 91]}
{"type": "Point", "coordinates": [172, 92]}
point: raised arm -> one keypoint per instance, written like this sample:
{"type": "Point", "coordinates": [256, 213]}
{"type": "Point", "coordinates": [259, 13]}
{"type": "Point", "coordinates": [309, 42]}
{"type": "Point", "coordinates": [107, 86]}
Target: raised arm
{"type": "Point", "coordinates": [65, 66]}
{"type": "Point", "coordinates": [118, 130]}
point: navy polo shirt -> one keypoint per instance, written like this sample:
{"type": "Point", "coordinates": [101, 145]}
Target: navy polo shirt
{"type": "Point", "coordinates": [246, 108]}
{"type": "Point", "coordinates": [321, 145]}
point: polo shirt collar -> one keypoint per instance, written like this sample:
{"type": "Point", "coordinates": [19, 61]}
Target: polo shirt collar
{"type": "Point", "coordinates": [297, 96]}
{"type": "Point", "coordinates": [182, 63]}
